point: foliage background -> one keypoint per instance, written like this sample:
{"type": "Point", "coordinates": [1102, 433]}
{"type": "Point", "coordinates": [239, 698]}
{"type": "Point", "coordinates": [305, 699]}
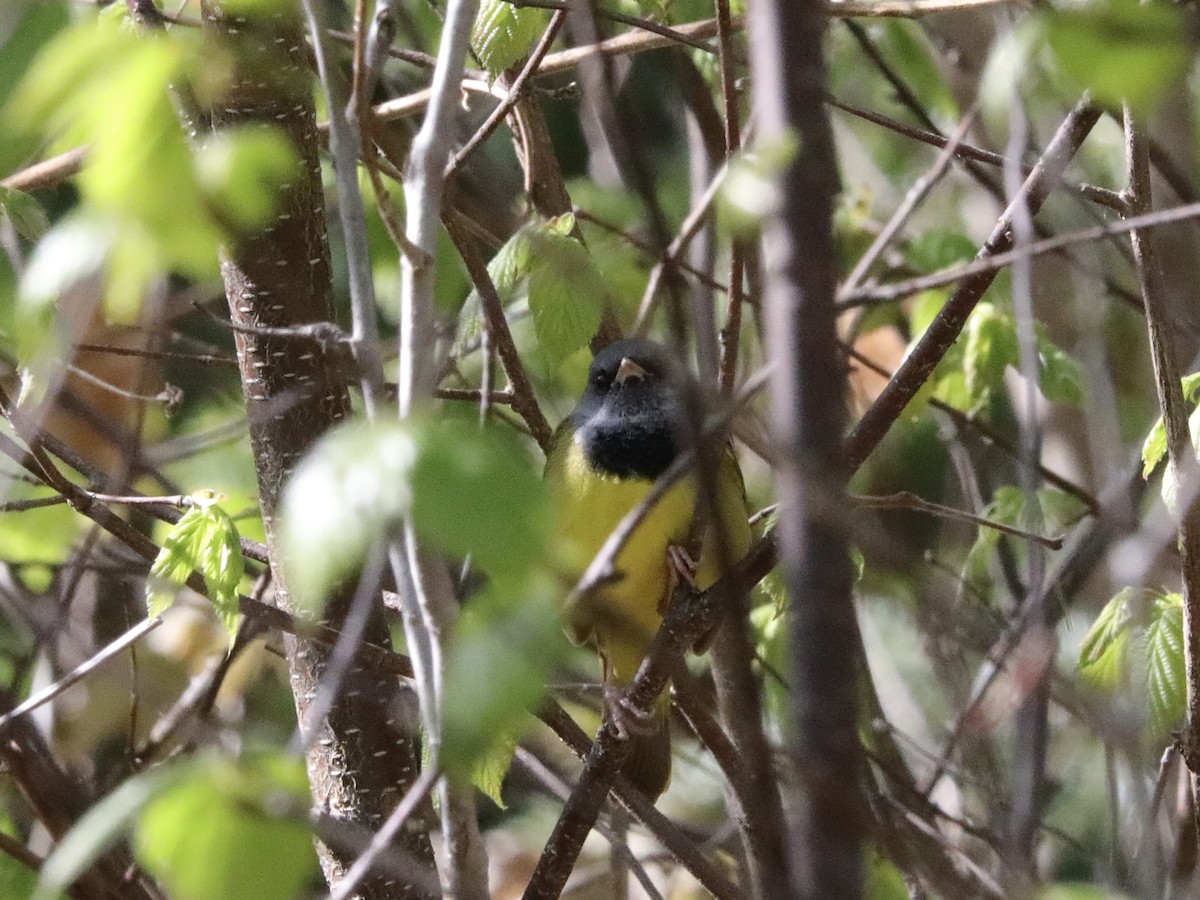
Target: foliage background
{"type": "Point", "coordinates": [1028, 689]}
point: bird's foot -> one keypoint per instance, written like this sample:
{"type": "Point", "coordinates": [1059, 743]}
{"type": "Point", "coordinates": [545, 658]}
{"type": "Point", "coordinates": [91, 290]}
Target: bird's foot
{"type": "Point", "coordinates": [681, 568]}
{"type": "Point", "coordinates": [627, 719]}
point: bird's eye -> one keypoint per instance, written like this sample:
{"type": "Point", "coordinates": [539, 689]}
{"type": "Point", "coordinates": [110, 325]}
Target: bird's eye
{"type": "Point", "coordinates": [601, 381]}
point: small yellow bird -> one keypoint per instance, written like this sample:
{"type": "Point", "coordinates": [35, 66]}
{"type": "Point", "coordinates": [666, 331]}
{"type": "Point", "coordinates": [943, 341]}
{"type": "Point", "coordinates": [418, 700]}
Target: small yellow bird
{"type": "Point", "coordinates": [605, 457]}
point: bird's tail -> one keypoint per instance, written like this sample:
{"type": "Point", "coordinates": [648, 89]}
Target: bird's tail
{"type": "Point", "coordinates": [648, 765]}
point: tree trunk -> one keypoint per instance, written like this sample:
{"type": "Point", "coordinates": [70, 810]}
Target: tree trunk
{"type": "Point", "coordinates": [362, 758]}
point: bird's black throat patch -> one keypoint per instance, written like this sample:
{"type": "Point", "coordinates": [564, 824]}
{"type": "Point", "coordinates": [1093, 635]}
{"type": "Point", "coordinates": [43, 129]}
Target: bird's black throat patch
{"type": "Point", "coordinates": [629, 443]}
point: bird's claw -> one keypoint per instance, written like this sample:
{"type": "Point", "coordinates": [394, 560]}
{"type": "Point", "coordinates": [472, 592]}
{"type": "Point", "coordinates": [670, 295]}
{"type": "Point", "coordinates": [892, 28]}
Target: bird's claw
{"type": "Point", "coordinates": [627, 719]}
{"type": "Point", "coordinates": [681, 566]}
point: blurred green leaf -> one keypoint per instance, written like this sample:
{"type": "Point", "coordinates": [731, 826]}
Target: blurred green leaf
{"type": "Point", "coordinates": [101, 827]}
{"type": "Point", "coordinates": [749, 193]}
{"type": "Point", "coordinates": [205, 540]}
{"type": "Point", "coordinates": [938, 249]}
{"type": "Point", "coordinates": [476, 492]}
{"type": "Point", "coordinates": [1154, 448]}
{"type": "Point", "coordinates": [349, 492]}
{"type": "Point", "coordinates": [884, 881]}
{"type": "Point", "coordinates": [990, 348]}
{"type": "Point", "coordinates": [25, 213]}
{"type": "Point", "coordinates": [1059, 375]}
{"type": "Point", "coordinates": [220, 832]}
{"type": "Point", "coordinates": [1119, 50]}
{"type": "Point", "coordinates": [243, 171]}
{"type": "Point", "coordinates": [101, 83]}
{"type": "Point", "coordinates": [503, 33]}
{"type": "Point", "coordinates": [1166, 686]}
{"type": "Point", "coordinates": [507, 644]}
{"type": "Point", "coordinates": [471, 491]}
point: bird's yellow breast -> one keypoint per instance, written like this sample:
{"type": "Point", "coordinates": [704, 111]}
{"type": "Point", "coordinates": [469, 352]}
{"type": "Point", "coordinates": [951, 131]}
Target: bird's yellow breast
{"type": "Point", "coordinates": [621, 616]}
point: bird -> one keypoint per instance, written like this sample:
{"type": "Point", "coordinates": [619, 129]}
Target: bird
{"type": "Point", "coordinates": [626, 430]}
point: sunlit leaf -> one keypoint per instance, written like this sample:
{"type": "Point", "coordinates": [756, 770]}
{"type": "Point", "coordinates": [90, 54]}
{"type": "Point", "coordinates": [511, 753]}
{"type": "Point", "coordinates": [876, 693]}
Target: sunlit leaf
{"type": "Point", "coordinates": [990, 348]}
{"type": "Point", "coordinates": [205, 540]}
{"type": "Point", "coordinates": [103, 84]}
{"type": "Point", "coordinates": [1166, 686]}
{"type": "Point", "coordinates": [503, 32]}
{"type": "Point", "coordinates": [490, 769]}
{"type": "Point", "coordinates": [1154, 448]}
{"type": "Point", "coordinates": [1103, 652]}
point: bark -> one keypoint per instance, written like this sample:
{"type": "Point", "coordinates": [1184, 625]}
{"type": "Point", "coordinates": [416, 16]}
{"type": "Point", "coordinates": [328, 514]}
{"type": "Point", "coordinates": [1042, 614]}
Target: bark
{"type": "Point", "coordinates": [362, 759]}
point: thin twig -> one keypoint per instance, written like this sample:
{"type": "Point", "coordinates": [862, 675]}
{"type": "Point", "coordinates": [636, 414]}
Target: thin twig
{"type": "Point", "coordinates": [513, 97]}
{"type": "Point", "coordinates": [522, 400]}
{"type": "Point", "coordinates": [908, 500]}
{"type": "Point", "coordinates": [382, 840]}
{"type": "Point", "coordinates": [890, 293]}
{"type": "Point", "coordinates": [81, 671]}
{"type": "Point", "coordinates": [915, 196]}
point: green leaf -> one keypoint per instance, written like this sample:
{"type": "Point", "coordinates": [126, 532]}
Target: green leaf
{"type": "Point", "coordinates": [750, 193]}
{"type": "Point", "coordinates": [1154, 448]}
{"type": "Point", "coordinates": [25, 213]}
{"type": "Point", "coordinates": [990, 348]}
{"type": "Point", "coordinates": [205, 540]}
{"type": "Point", "coordinates": [1059, 375]}
{"type": "Point", "coordinates": [218, 832]}
{"type": "Point", "coordinates": [1119, 50]}
{"type": "Point", "coordinates": [100, 828]}
{"type": "Point", "coordinates": [243, 172]}
{"type": "Point", "coordinates": [103, 84]}
{"type": "Point", "coordinates": [503, 33]}
{"type": "Point", "coordinates": [491, 768]}
{"type": "Point", "coordinates": [1166, 685]}
{"type": "Point", "coordinates": [566, 293]}
{"type": "Point", "coordinates": [351, 491]}
{"type": "Point", "coordinates": [508, 642]}
{"type": "Point", "coordinates": [477, 492]}
{"type": "Point", "coordinates": [909, 49]}
{"type": "Point", "coordinates": [938, 249]}
{"type": "Point", "coordinates": [471, 491]}
{"type": "Point", "coordinates": [1103, 654]}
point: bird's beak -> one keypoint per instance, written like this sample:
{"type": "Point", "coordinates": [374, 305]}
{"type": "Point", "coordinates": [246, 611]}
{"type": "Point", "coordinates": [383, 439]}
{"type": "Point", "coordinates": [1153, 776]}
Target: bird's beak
{"type": "Point", "coordinates": [629, 369]}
